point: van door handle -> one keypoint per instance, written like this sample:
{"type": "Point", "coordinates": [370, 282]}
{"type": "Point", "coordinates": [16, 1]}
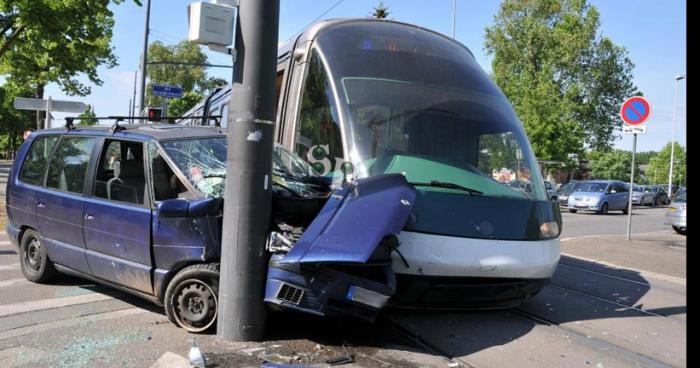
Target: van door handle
{"type": "Point", "coordinates": [40, 205]}
{"type": "Point", "coordinates": [89, 216]}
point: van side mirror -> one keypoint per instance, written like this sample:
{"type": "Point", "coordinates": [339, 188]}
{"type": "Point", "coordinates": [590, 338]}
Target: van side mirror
{"type": "Point", "coordinates": [185, 208]}
{"type": "Point", "coordinates": [173, 208]}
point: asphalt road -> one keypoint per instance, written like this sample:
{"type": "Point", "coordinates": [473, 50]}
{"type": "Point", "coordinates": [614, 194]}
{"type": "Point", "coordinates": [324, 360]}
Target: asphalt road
{"type": "Point", "coordinates": [645, 219]}
{"type": "Point", "coordinates": [611, 303]}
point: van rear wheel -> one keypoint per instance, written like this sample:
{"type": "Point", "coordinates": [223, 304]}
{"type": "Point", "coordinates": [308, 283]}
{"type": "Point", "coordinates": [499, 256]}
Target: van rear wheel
{"type": "Point", "coordinates": [191, 299]}
{"type": "Point", "coordinates": [34, 261]}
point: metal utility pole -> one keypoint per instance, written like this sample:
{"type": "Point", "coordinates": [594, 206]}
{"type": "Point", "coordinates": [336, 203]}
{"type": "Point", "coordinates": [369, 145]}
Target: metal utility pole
{"type": "Point", "coordinates": [673, 138]}
{"type": "Point", "coordinates": [144, 56]}
{"type": "Point", "coordinates": [133, 106]}
{"type": "Point", "coordinates": [248, 196]}
{"type": "Point", "coordinates": [454, 18]}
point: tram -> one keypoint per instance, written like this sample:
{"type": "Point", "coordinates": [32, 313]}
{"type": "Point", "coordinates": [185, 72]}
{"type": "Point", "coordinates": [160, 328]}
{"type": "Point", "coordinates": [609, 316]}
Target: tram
{"type": "Point", "coordinates": [386, 97]}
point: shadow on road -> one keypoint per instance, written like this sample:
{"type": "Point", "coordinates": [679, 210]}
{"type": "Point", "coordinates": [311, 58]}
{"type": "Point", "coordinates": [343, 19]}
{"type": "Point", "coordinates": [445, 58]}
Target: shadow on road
{"type": "Point", "coordinates": [579, 291]}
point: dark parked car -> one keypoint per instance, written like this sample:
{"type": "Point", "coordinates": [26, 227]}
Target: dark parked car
{"type": "Point", "coordinates": [552, 193]}
{"type": "Point", "coordinates": [140, 208]}
{"type": "Point", "coordinates": [660, 195]}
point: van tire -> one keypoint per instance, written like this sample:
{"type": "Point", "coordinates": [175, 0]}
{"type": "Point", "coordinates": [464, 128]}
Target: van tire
{"type": "Point", "coordinates": [33, 259]}
{"type": "Point", "coordinates": [198, 286]}
{"type": "Point", "coordinates": [573, 211]}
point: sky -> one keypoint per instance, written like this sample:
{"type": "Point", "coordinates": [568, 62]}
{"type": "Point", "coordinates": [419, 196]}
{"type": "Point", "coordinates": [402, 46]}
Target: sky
{"type": "Point", "coordinates": [654, 33]}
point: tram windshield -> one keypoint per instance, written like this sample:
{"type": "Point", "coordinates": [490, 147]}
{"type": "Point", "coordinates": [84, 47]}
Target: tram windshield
{"type": "Point", "coordinates": [415, 102]}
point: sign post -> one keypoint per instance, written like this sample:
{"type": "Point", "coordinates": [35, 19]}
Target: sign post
{"type": "Point", "coordinates": [166, 92]}
{"type": "Point", "coordinates": [635, 111]}
{"type": "Point", "coordinates": [48, 105]}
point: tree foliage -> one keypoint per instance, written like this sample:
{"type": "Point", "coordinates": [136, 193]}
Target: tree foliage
{"type": "Point", "coordinates": [13, 122]}
{"type": "Point", "coordinates": [46, 41]}
{"type": "Point", "coordinates": [380, 11]}
{"type": "Point", "coordinates": [612, 164]}
{"type": "Point", "coordinates": [644, 157]}
{"type": "Point", "coordinates": [659, 165]}
{"type": "Point", "coordinates": [87, 117]}
{"type": "Point", "coordinates": [566, 83]}
{"type": "Point", "coordinates": [179, 106]}
{"type": "Point", "coordinates": [192, 78]}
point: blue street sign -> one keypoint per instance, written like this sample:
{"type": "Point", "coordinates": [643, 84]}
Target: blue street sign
{"type": "Point", "coordinates": [167, 91]}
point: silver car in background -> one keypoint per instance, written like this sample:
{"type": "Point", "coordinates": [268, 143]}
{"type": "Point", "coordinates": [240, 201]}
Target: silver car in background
{"type": "Point", "coordinates": [642, 195]}
{"type": "Point", "coordinates": [676, 212]}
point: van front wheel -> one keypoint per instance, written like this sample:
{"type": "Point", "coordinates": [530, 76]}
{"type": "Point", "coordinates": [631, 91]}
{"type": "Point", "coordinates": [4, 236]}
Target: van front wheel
{"type": "Point", "coordinates": [191, 299]}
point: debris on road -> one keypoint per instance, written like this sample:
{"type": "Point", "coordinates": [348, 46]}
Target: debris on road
{"type": "Point", "coordinates": [343, 359]}
{"type": "Point", "coordinates": [196, 358]}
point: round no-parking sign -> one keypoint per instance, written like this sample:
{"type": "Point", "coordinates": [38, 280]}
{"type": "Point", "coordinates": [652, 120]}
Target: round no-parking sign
{"type": "Point", "coordinates": [635, 110]}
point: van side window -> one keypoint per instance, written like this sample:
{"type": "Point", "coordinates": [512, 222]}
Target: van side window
{"type": "Point", "coordinates": [166, 184]}
{"type": "Point", "coordinates": [69, 164]}
{"type": "Point", "coordinates": [318, 138]}
{"type": "Point", "coordinates": [120, 175]}
{"type": "Point", "coordinates": [35, 161]}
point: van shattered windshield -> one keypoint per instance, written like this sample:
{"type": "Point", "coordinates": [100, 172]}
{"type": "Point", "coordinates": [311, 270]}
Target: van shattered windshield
{"type": "Point", "coordinates": [203, 162]}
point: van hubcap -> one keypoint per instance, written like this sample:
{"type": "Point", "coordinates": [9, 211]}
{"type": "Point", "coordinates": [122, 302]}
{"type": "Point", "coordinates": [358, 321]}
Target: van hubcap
{"type": "Point", "coordinates": [34, 255]}
{"type": "Point", "coordinates": [195, 305]}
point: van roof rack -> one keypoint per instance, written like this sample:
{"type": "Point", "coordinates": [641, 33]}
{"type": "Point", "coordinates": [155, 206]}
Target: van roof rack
{"type": "Point", "coordinates": [116, 127]}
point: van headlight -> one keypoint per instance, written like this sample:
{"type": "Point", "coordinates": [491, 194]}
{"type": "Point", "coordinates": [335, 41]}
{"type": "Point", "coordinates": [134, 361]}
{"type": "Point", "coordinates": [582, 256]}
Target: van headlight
{"type": "Point", "coordinates": [549, 230]}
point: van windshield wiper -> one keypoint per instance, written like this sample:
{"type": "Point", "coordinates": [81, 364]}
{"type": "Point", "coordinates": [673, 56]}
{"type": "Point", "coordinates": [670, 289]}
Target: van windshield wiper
{"type": "Point", "coordinates": [448, 185]}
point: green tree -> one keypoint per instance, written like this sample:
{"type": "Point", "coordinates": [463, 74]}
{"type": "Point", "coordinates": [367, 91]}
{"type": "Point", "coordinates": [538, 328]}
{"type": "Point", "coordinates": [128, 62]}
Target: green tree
{"type": "Point", "coordinates": [645, 157]}
{"type": "Point", "coordinates": [179, 106]}
{"type": "Point", "coordinates": [55, 41]}
{"type": "Point", "coordinates": [566, 83]}
{"type": "Point", "coordinates": [13, 122]}
{"type": "Point", "coordinates": [612, 164]}
{"type": "Point", "coordinates": [380, 11]}
{"type": "Point", "coordinates": [192, 78]}
{"type": "Point", "coordinates": [87, 117]}
{"type": "Point", "coordinates": [659, 165]}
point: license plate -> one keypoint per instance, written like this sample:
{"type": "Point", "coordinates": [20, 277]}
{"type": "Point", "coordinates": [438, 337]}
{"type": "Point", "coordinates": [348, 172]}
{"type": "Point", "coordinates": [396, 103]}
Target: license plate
{"type": "Point", "coordinates": [671, 209]}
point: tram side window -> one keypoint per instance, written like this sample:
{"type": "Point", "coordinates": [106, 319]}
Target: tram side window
{"type": "Point", "coordinates": [318, 139]}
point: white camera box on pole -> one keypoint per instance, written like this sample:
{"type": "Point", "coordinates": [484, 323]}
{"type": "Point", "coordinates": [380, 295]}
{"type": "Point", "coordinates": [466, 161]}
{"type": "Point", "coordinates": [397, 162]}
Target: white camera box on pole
{"type": "Point", "coordinates": [211, 23]}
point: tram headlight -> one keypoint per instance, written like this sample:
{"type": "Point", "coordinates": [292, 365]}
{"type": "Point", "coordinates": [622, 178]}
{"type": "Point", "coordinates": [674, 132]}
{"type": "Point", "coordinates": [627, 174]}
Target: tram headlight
{"type": "Point", "coordinates": [549, 230]}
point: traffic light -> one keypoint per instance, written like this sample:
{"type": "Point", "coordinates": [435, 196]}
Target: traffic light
{"type": "Point", "coordinates": [154, 114]}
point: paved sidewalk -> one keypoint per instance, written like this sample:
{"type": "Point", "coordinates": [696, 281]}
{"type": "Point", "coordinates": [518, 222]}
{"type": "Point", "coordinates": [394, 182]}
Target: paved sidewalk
{"type": "Point", "coordinates": [662, 252]}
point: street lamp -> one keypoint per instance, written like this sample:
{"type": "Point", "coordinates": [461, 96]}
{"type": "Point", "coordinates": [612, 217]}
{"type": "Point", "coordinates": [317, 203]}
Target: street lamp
{"type": "Point", "coordinates": [454, 18]}
{"type": "Point", "coordinates": [673, 138]}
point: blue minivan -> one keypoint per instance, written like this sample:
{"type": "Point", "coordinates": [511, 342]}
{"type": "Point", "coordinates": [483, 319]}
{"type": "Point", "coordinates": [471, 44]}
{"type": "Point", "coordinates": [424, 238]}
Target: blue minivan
{"type": "Point", "coordinates": [139, 208]}
{"type": "Point", "coordinates": [600, 196]}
